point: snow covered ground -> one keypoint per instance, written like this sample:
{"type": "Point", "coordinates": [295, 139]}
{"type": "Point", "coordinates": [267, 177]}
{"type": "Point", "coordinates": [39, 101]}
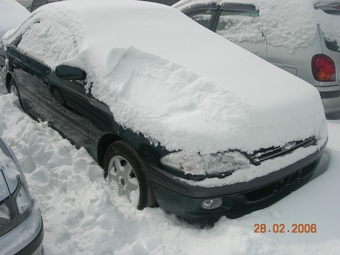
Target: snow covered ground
{"type": "Point", "coordinates": [84, 215]}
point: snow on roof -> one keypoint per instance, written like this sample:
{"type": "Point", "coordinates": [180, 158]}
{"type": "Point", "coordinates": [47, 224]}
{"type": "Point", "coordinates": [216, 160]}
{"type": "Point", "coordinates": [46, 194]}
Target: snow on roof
{"type": "Point", "coordinates": [176, 82]}
{"type": "Point", "coordinates": [286, 23]}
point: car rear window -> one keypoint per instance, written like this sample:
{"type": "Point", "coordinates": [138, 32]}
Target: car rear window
{"type": "Point", "coordinates": [332, 45]}
{"type": "Point", "coordinates": [334, 10]}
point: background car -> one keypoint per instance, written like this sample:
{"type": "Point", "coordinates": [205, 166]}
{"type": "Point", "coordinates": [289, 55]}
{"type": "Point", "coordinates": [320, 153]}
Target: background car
{"type": "Point", "coordinates": [197, 132]}
{"type": "Point", "coordinates": [37, 3]}
{"type": "Point", "coordinates": [298, 37]}
{"type": "Point", "coordinates": [12, 14]}
{"type": "Point", "coordinates": [21, 225]}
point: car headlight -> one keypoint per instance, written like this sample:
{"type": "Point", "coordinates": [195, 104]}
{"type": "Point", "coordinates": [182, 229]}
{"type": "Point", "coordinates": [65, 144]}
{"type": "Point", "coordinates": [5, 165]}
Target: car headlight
{"type": "Point", "coordinates": [216, 164]}
{"type": "Point", "coordinates": [23, 202]}
{"type": "Point", "coordinates": [15, 209]}
{"type": "Point", "coordinates": [7, 216]}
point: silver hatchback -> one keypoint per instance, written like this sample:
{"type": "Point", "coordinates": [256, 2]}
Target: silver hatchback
{"type": "Point", "coordinates": [300, 37]}
{"type": "Point", "coordinates": [21, 224]}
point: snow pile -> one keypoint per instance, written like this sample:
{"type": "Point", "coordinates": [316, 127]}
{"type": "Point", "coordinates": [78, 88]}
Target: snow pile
{"type": "Point", "coordinates": [11, 15]}
{"type": "Point", "coordinates": [84, 215]}
{"type": "Point", "coordinates": [288, 23]}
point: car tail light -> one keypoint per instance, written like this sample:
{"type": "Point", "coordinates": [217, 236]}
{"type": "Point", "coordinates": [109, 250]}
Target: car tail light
{"type": "Point", "coordinates": [323, 68]}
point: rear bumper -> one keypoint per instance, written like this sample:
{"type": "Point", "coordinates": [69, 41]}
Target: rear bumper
{"type": "Point", "coordinates": [331, 105]}
{"type": "Point", "coordinates": [330, 96]}
{"type": "Point", "coordinates": [185, 200]}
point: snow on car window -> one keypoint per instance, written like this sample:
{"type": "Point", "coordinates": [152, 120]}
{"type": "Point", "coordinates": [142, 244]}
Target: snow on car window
{"type": "Point", "coordinates": [329, 25]}
{"type": "Point", "coordinates": [203, 19]}
{"type": "Point", "coordinates": [239, 28]}
{"type": "Point", "coordinates": [39, 39]}
{"type": "Point", "coordinates": [285, 23]}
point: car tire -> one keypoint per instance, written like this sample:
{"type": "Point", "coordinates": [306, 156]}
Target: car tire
{"type": "Point", "coordinates": [123, 166]}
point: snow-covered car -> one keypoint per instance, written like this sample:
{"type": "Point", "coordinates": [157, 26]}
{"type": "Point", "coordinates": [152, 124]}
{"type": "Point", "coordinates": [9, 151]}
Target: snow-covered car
{"type": "Point", "coordinates": [301, 37]}
{"type": "Point", "coordinates": [12, 14]}
{"type": "Point", "coordinates": [176, 115]}
{"type": "Point", "coordinates": [21, 225]}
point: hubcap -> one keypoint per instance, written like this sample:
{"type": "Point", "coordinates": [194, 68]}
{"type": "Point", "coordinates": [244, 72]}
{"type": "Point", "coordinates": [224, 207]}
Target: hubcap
{"type": "Point", "coordinates": [124, 175]}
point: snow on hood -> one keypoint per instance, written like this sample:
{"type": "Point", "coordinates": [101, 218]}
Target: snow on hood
{"type": "Point", "coordinates": [176, 82]}
{"type": "Point", "coordinates": [286, 23]}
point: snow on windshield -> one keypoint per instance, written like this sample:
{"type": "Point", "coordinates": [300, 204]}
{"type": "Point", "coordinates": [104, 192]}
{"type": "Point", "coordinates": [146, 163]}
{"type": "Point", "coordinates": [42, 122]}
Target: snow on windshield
{"type": "Point", "coordinates": [176, 82]}
{"type": "Point", "coordinates": [286, 23]}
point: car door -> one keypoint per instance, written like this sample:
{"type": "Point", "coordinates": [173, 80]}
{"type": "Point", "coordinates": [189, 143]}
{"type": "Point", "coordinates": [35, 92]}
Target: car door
{"type": "Point", "coordinates": [27, 73]}
{"type": "Point", "coordinates": [66, 103]}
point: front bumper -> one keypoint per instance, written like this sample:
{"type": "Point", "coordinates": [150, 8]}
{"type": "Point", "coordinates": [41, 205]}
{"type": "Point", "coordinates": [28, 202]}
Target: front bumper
{"type": "Point", "coordinates": [185, 200]}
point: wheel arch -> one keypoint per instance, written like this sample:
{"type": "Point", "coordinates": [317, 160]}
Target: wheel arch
{"type": "Point", "coordinates": [8, 79]}
{"type": "Point", "coordinates": [103, 144]}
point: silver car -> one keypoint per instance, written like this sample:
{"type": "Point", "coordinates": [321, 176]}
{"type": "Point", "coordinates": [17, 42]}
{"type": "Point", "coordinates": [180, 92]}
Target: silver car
{"type": "Point", "coordinates": [298, 36]}
{"type": "Point", "coordinates": [21, 225]}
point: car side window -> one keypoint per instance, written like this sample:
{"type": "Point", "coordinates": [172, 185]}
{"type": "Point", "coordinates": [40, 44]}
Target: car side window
{"type": "Point", "coordinates": [239, 20]}
{"type": "Point", "coordinates": [203, 17]}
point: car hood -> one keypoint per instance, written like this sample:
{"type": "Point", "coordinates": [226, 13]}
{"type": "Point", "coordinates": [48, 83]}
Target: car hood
{"type": "Point", "coordinates": [179, 84]}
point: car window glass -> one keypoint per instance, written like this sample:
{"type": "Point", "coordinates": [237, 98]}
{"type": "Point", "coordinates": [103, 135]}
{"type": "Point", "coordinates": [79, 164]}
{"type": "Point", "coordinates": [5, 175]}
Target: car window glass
{"type": "Point", "coordinates": [239, 25]}
{"type": "Point", "coordinates": [327, 22]}
{"type": "Point", "coordinates": [332, 45]}
{"type": "Point", "coordinates": [203, 17]}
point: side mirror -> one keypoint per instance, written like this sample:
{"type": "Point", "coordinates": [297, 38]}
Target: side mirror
{"type": "Point", "coordinates": [65, 72]}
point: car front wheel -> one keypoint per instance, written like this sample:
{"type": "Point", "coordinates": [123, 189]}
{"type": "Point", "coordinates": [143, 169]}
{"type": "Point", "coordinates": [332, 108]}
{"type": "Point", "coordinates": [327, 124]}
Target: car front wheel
{"type": "Point", "coordinates": [123, 166]}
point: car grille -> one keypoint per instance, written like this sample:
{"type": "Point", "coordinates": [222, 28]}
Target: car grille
{"type": "Point", "coordinates": [266, 191]}
{"type": "Point", "coordinates": [263, 154]}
